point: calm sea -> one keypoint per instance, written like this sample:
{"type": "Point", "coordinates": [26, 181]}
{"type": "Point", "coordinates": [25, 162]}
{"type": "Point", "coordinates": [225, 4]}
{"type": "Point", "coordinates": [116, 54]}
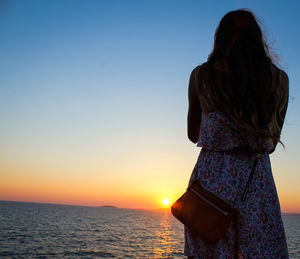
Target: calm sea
{"type": "Point", "coordinates": [31, 230]}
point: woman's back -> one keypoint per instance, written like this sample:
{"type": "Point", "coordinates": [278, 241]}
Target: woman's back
{"type": "Point", "coordinates": [279, 87]}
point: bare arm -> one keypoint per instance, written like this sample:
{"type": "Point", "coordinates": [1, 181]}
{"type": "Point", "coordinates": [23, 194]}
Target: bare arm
{"type": "Point", "coordinates": [194, 112]}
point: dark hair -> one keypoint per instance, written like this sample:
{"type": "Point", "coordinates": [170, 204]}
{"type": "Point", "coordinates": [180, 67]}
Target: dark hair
{"type": "Point", "coordinates": [238, 75]}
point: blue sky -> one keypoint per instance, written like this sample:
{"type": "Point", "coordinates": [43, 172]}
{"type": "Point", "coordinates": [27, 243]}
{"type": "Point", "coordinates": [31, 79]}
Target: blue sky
{"type": "Point", "coordinates": [103, 84]}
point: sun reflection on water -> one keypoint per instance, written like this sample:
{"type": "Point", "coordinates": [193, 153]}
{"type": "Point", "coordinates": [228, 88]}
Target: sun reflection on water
{"type": "Point", "coordinates": [164, 244]}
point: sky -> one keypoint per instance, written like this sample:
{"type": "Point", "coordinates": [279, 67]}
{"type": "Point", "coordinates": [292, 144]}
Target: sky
{"type": "Point", "coordinates": [93, 97]}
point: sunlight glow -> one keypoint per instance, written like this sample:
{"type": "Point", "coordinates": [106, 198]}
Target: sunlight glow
{"type": "Point", "coordinates": [166, 201]}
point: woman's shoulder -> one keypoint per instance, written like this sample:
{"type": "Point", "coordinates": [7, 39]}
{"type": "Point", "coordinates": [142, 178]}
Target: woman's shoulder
{"type": "Point", "coordinates": [198, 74]}
{"type": "Point", "coordinates": [198, 69]}
{"type": "Point", "coordinates": [202, 71]}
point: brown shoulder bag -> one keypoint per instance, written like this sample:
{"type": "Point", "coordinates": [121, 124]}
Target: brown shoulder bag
{"type": "Point", "coordinates": [205, 213]}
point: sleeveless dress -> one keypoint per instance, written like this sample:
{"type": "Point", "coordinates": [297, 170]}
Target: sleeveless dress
{"type": "Point", "coordinates": [225, 173]}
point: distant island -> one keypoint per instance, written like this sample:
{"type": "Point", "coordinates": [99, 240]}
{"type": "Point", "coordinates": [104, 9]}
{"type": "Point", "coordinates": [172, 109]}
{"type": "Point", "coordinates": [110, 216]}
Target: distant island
{"type": "Point", "coordinates": [109, 206]}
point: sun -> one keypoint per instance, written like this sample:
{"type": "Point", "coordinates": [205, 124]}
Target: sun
{"type": "Point", "coordinates": [166, 201]}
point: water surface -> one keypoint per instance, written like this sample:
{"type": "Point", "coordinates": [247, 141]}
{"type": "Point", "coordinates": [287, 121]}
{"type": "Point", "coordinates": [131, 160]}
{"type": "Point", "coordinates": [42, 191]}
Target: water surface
{"type": "Point", "coordinates": [32, 230]}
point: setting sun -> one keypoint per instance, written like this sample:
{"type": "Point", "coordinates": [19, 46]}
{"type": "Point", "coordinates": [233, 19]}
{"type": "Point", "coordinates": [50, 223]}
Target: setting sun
{"type": "Point", "coordinates": [166, 201]}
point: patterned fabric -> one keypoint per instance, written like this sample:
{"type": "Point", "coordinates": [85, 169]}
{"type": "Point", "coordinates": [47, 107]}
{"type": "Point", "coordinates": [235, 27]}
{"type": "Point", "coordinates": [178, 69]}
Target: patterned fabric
{"type": "Point", "coordinates": [225, 173]}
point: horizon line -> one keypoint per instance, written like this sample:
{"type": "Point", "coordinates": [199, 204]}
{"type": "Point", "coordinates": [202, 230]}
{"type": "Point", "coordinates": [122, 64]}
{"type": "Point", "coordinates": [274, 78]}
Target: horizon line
{"type": "Point", "coordinates": [98, 206]}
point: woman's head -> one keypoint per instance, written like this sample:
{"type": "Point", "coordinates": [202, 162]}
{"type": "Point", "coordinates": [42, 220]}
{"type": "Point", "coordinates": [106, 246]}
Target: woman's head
{"type": "Point", "coordinates": [238, 29]}
{"type": "Point", "coordinates": [238, 74]}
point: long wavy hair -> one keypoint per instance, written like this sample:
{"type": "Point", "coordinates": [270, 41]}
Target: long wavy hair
{"type": "Point", "coordinates": [238, 75]}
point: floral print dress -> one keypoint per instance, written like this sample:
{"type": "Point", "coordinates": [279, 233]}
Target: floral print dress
{"type": "Point", "coordinates": [260, 228]}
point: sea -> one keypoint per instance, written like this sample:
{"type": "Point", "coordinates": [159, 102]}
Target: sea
{"type": "Point", "coordinates": [34, 230]}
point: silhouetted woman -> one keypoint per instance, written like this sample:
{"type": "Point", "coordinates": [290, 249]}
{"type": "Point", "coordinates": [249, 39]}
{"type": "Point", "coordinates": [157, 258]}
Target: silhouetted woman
{"type": "Point", "coordinates": [237, 105]}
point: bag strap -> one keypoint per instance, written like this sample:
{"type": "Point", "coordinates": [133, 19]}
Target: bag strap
{"type": "Point", "coordinates": [250, 177]}
{"type": "Point", "coordinates": [258, 156]}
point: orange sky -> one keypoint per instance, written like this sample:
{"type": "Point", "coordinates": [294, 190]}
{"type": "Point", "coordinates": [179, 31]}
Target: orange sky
{"type": "Point", "coordinates": [27, 182]}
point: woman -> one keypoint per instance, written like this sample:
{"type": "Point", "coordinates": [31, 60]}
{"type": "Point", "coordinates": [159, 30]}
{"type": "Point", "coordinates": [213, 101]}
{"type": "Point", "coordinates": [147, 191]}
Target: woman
{"type": "Point", "coordinates": [237, 105]}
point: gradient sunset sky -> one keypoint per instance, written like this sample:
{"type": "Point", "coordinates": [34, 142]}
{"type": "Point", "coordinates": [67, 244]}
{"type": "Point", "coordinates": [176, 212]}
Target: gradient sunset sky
{"type": "Point", "coordinates": [93, 97]}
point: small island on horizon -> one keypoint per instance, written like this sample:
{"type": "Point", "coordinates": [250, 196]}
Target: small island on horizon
{"type": "Point", "coordinates": [109, 206]}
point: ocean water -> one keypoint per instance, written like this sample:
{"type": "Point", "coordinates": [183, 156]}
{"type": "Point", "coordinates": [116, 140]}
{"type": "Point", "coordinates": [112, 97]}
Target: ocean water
{"type": "Point", "coordinates": [31, 230]}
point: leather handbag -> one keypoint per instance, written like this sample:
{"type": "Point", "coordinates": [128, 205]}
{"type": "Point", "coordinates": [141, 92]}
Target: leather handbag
{"type": "Point", "coordinates": [206, 214]}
